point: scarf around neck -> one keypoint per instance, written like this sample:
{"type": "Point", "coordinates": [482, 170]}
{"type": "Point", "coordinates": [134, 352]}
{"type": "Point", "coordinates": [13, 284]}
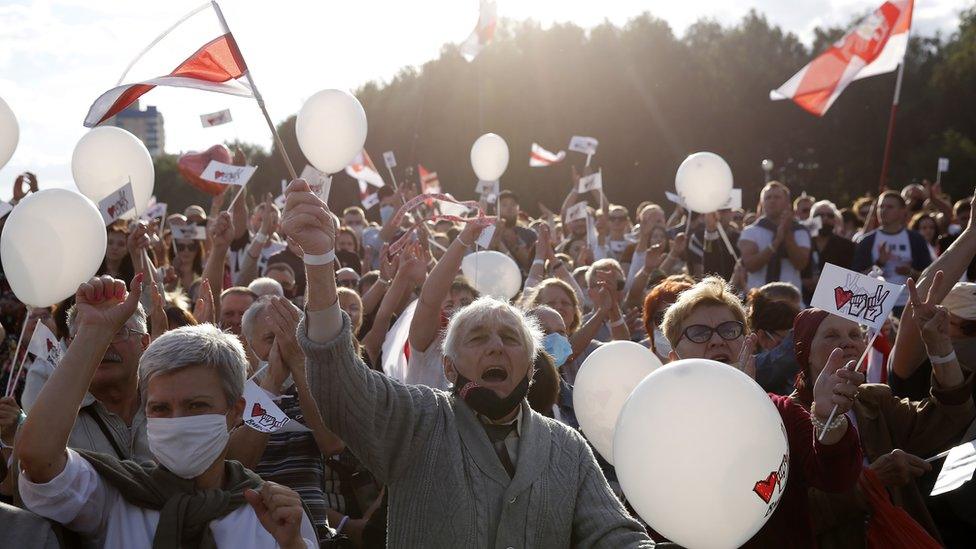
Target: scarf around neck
{"type": "Point", "coordinates": [775, 265]}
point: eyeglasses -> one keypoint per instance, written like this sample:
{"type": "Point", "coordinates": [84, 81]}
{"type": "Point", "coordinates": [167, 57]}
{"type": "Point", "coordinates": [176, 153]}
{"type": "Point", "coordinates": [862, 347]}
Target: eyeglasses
{"type": "Point", "coordinates": [728, 330]}
{"type": "Point", "coordinates": [125, 333]}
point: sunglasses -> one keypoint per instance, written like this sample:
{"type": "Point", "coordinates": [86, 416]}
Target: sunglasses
{"type": "Point", "coordinates": [699, 333]}
{"type": "Point", "coordinates": [183, 247]}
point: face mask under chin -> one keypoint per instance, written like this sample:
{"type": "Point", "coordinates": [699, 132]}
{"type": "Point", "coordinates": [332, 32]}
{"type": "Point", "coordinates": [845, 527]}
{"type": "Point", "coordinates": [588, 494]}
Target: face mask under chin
{"type": "Point", "coordinates": [485, 402]}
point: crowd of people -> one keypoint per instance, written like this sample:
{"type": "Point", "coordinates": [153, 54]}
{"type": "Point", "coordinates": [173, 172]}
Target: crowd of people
{"type": "Point", "coordinates": [135, 436]}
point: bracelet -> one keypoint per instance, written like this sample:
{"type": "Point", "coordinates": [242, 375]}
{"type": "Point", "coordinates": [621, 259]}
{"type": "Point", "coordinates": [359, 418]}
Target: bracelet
{"type": "Point", "coordinates": [538, 262]}
{"type": "Point", "coordinates": [940, 360]}
{"type": "Point", "coordinates": [822, 427]}
{"type": "Point", "coordinates": [468, 246]}
{"type": "Point", "coordinates": [619, 322]}
{"type": "Point", "coordinates": [382, 281]}
{"type": "Point", "coordinates": [342, 524]}
{"type": "Point", "coordinates": [260, 238]}
{"type": "Point", "coordinates": [321, 259]}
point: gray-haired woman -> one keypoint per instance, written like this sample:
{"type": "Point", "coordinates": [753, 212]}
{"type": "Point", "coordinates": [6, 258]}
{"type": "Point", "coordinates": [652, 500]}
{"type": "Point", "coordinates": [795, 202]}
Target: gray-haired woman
{"type": "Point", "coordinates": [191, 382]}
{"type": "Point", "coordinates": [474, 467]}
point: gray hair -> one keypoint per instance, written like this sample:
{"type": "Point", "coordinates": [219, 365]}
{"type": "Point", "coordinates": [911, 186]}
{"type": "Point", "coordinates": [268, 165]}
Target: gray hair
{"type": "Point", "coordinates": [201, 345]}
{"type": "Point", "coordinates": [136, 322]}
{"type": "Point", "coordinates": [266, 286]}
{"type": "Point", "coordinates": [831, 206]}
{"type": "Point", "coordinates": [484, 308]}
{"type": "Point", "coordinates": [251, 315]}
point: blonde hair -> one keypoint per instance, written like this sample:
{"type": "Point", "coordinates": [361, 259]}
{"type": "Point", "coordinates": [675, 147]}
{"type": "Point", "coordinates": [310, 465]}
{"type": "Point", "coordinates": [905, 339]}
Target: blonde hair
{"type": "Point", "coordinates": [710, 291]}
{"type": "Point", "coordinates": [532, 300]}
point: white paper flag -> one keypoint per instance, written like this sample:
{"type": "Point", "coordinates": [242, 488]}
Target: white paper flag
{"type": "Point", "coordinates": [855, 296]}
{"type": "Point", "coordinates": [958, 468]}
{"type": "Point", "coordinates": [389, 159]}
{"type": "Point", "coordinates": [576, 211]}
{"type": "Point", "coordinates": [943, 164]}
{"type": "Point", "coordinates": [228, 174]}
{"type": "Point", "coordinates": [215, 118]}
{"type": "Point", "coordinates": [260, 412]}
{"type": "Point", "coordinates": [44, 344]}
{"type": "Point", "coordinates": [592, 182]}
{"type": "Point", "coordinates": [319, 182]}
{"type": "Point", "coordinates": [118, 203]}
{"type": "Point", "coordinates": [585, 145]}
{"type": "Point", "coordinates": [189, 232]}
{"type": "Point", "coordinates": [370, 200]}
{"type": "Point", "coordinates": [486, 235]}
{"type": "Point", "coordinates": [156, 210]}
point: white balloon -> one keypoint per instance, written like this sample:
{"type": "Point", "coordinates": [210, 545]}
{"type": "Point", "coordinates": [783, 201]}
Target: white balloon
{"type": "Point", "coordinates": [106, 158]}
{"type": "Point", "coordinates": [704, 476]}
{"type": "Point", "coordinates": [704, 180]}
{"type": "Point", "coordinates": [9, 132]}
{"type": "Point", "coordinates": [52, 242]}
{"type": "Point", "coordinates": [492, 273]}
{"type": "Point", "coordinates": [331, 129]}
{"type": "Point", "coordinates": [489, 157]}
{"type": "Point", "coordinates": [605, 380]}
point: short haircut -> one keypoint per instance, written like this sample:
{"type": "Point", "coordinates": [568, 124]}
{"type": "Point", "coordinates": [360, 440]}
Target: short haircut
{"type": "Point", "coordinates": [710, 291]}
{"type": "Point", "coordinates": [507, 193]}
{"type": "Point", "coordinates": [354, 210]}
{"type": "Point", "coordinates": [202, 345]}
{"type": "Point", "coordinates": [775, 185]}
{"type": "Point", "coordinates": [136, 322]}
{"type": "Point", "coordinates": [602, 265]}
{"type": "Point", "coordinates": [801, 198]}
{"type": "Point", "coordinates": [250, 316]}
{"type": "Point", "coordinates": [531, 300]}
{"type": "Point", "coordinates": [280, 266]}
{"type": "Point", "coordinates": [483, 309]}
{"type": "Point", "coordinates": [266, 286]}
{"type": "Point", "coordinates": [826, 204]}
{"type": "Point", "coordinates": [238, 290]}
{"type": "Point", "coordinates": [770, 312]}
{"type": "Point", "coordinates": [667, 290]}
{"type": "Point", "coordinates": [778, 291]}
{"type": "Point", "coordinates": [893, 195]}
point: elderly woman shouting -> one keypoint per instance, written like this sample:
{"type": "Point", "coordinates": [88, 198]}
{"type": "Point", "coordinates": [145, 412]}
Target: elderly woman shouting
{"type": "Point", "coordinates": [709, 321]}
{"type": "Point", "coordinates": [894, 432]}
{"type": "Point", "coordinates": [192, 381]}
{"type": "Point", "coordinates": [473, 467]}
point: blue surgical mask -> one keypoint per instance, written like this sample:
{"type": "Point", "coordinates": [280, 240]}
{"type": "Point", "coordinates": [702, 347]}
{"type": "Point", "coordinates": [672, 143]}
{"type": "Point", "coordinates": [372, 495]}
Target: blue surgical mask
{"type": "Point", "coordinates": [386, 212]}
{"type": "Point", "coordinates": [558, 346]}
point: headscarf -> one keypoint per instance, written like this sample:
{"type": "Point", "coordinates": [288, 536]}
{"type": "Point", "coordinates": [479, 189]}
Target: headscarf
{"type": "Point", "coordinates": [804, 329]}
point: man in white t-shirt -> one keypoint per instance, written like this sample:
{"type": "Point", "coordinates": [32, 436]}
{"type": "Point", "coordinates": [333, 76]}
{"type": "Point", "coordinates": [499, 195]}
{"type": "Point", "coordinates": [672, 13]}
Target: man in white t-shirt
{"type": "Point", "coordinates": [898, 251]}
{"type": "Point", "coordinates": [775, 247]}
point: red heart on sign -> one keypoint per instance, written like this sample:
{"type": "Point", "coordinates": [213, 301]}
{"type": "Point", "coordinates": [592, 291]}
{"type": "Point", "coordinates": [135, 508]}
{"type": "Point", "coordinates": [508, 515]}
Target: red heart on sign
{"type": "Point", "coordinates": [257, 410]}
{"type": "Point", "coordinates": [842, 296]}
{"type": "Point", "coordinates": [763, 488]}
{"type": "Point", "coordinates": [219, 175]}
{"type": "Point", "coordinates": [192, 164]}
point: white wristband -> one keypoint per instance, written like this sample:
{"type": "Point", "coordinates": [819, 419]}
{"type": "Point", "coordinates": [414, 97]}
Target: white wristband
{"type": "Point", "coordinates": [538, 262]}
{"type": "Point", "coordinates": [322, 259]}
{"type": "Point", "coordinates": [260, 238]}
{"type": "Point", "coordinates": [940, 360]}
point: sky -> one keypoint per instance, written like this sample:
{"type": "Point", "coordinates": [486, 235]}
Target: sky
{"type": "Point", "coordinates": [58, 56]}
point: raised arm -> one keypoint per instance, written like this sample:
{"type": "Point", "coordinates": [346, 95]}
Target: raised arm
{"type": "Point", "coordinates": [103, 308]}
{"type": "Point", "coordinates": [411, 270]}
{"type": "Point", "coordinates": [423, 328]}
{"type": "Point", "coordinates": [223, 233]}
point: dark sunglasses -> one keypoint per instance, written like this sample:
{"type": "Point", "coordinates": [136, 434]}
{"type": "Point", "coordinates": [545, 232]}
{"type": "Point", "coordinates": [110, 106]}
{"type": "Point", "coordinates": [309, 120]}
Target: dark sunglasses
{"type": "Point", "coordinates": [729, 330]}
{"type": "Point", "coordinates": [181, 247]}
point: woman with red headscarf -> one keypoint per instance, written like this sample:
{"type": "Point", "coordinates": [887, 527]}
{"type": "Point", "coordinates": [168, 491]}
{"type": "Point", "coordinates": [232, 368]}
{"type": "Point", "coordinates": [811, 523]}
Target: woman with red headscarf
{"type": "Point", "coordinates": [895, 434]}
{"type": "Point", "coordinates": [709, 321]}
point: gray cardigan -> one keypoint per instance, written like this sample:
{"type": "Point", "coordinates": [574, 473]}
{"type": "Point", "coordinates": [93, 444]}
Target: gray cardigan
{"type": "Point", "coordinates": [447, 486]}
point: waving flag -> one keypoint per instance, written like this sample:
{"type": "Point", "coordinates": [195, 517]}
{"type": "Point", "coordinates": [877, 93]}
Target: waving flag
{"type": "Point", "coordinates": [428, 181]}
{"type": "Point", "coordinates": [540, 157]}
{"type": "Point", "coordinates": [363, 169]}
{"type": "Point", "coordinates": [216, 66]}
{"type": "Point", "coordinates": [875, 46]}
{"type": "Point", "coordinates": [483, 32]}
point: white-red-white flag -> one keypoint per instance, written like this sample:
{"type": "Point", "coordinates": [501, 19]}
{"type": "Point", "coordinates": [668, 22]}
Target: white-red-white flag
{"type": "Point", "coordinates": [540, 157]}
{"type": "Point", "coordinates": [429, 183]}
{"type": "Point", "coordinates": [363, 169]}
{"type": "Point", "coordinates": [216, 66]}
{"type": "Point", "coordinates": [483, 32]}
{"type": "Point", "coordinates": [875, 46]}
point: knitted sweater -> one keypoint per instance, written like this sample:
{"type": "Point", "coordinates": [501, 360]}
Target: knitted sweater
{"type": "Point", "coordinates": [446, 485]}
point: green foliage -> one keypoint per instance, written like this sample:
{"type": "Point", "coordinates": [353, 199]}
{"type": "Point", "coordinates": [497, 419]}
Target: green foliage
{"type": "Point", "coordinates": [652, 98]}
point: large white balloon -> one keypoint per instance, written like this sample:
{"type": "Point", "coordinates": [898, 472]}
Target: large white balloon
{"type": "Point", "coordinates": [331, 129]}
{"type": "Point", "coordinates": [704, 180]}
{"type": "Point", "coordinates": [489, 157]}
{"type": "Point", "coordinates": [492, 273]}
{"type": "Point", "coordinates": [9, 132]}
{"type": "Point", "coordinates": [106, 158]}
{"type": "Point", "coordinates": [53, 241]}
{"type": "Point", "coordinates": [605, 380]}
{"type": "Point", "coordinates": [703, 475]}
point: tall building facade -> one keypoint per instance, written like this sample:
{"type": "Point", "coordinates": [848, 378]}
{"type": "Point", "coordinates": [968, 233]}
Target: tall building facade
{"type": "Point", "coordinates": [146, 124]}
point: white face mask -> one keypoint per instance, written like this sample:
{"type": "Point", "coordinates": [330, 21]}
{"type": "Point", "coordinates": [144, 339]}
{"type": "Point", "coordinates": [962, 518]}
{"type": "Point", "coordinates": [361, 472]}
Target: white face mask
{"type": "Point", "coordinates": [188, 445]}
{"type": "Point", "coordinates": [661, 343]}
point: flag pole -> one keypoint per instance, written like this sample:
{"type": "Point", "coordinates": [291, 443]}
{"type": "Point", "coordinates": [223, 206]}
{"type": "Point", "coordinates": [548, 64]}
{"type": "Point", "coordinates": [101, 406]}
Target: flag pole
{"type": "Point", "coordinates": [259, 99]}
{"type": "Point", "coordinates": [891, 127]}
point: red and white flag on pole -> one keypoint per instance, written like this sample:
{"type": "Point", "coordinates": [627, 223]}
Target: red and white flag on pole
{"type": "Point", "coordinates": [875, 46]}
{"type": "Point", "coordinates": [483, 32]}
{"type": "Point", "coordinates": [428, 181]}
{"type": "Point", "coordinates": [540, 157]}
{"type": "Point", "coordinates": [363, 169]}
{"type": "Point", "coordinates": [216, 65]}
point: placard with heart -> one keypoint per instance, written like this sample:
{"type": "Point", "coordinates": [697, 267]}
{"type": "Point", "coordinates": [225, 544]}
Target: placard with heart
{"type": "Point", "coordinates": [855, 296]}
{"type": "Point", "coordinates": [192, 164]}
{"type": "Point", "coordinates": [261, 413]}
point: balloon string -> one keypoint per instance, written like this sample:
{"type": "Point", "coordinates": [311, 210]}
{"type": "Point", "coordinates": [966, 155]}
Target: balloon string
{"type": "Point", "coordinates": [416, 201]}
{"type": "Point", "coordinates": [11, 381]}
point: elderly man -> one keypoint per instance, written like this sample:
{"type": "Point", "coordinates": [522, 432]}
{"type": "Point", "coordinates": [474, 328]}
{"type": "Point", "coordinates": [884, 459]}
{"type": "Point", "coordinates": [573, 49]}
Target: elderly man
{"type": "Point", "coordinates": [111, 419]}
{"type": "Point", "coordinates": [233, 302]}
{"type": "Point", "coordinates": [472, 468]}
{"type": "Point", "coordinates": [192, 382]}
